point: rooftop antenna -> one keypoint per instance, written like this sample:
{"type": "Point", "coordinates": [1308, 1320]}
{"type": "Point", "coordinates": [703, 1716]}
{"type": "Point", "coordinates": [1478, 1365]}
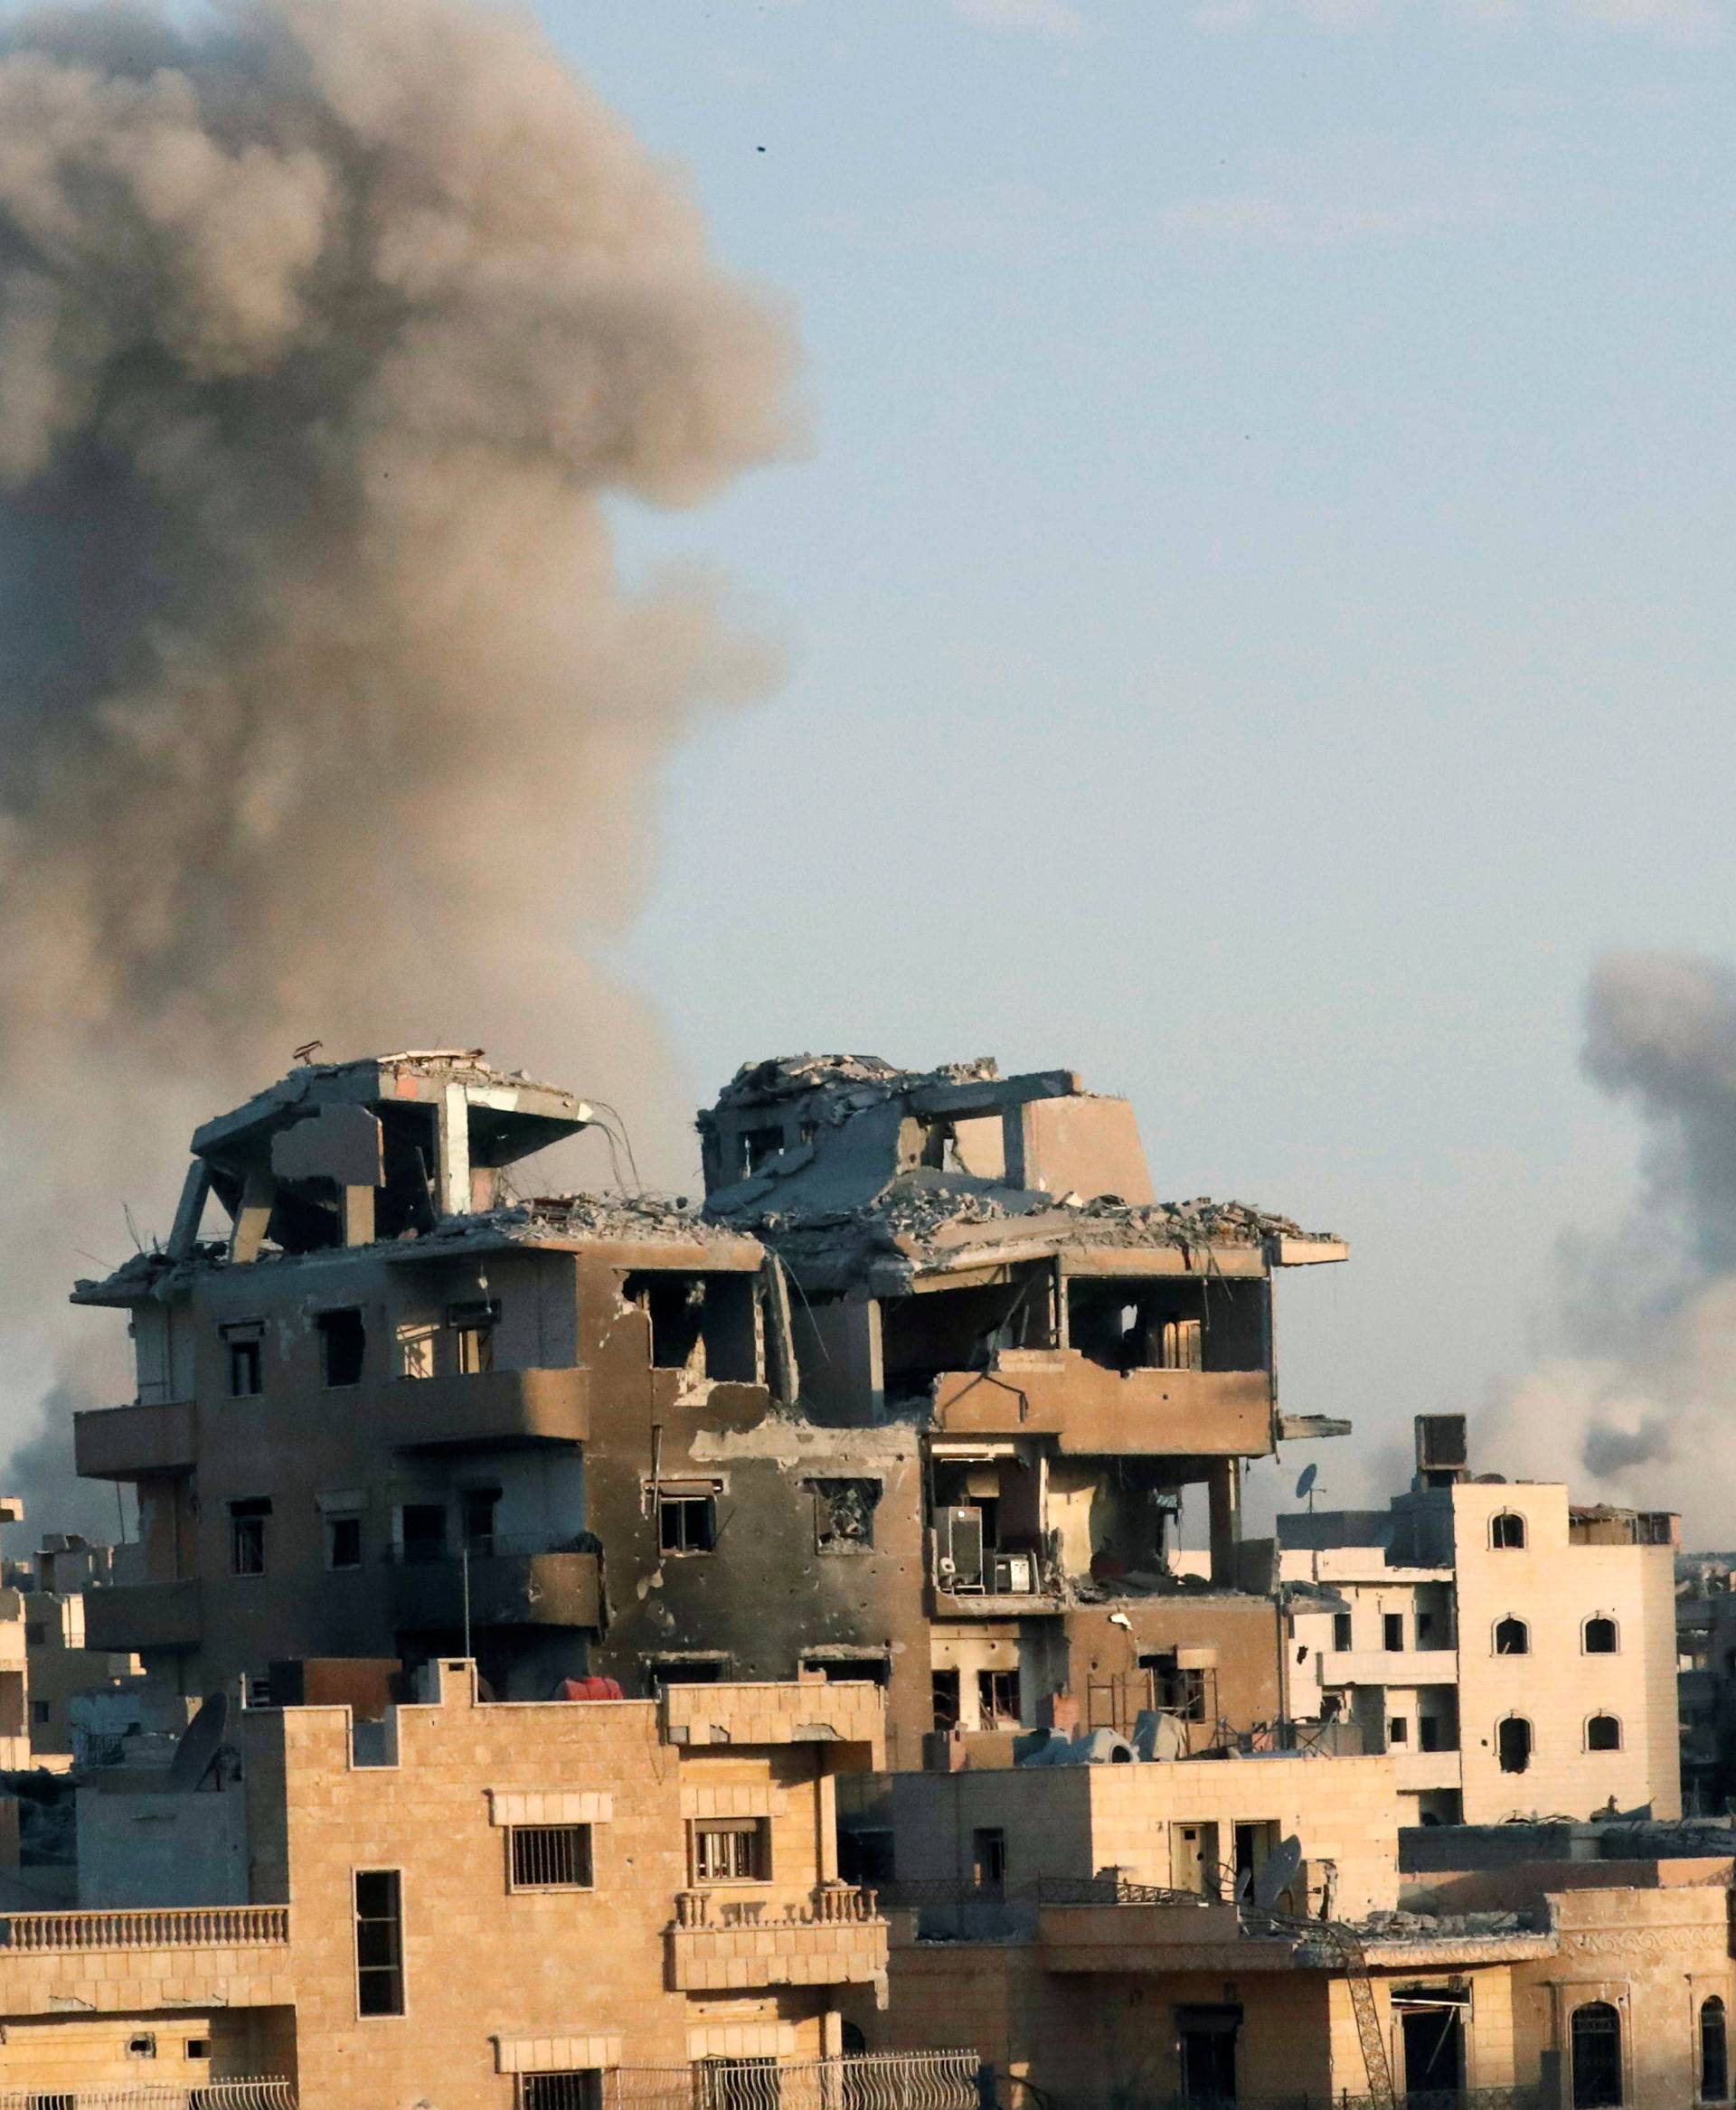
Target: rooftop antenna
{"type": "Point", "coordinates": [307, 1051]}
{"type": "Point", "coordinates": [1283, 1865]}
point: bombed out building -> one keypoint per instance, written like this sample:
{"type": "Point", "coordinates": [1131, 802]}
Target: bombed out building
{"type": "Point", "coordinates": [915, 1397]}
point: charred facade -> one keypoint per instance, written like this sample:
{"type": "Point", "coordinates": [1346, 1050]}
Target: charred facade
{"type": "Point", "coordinates": [915, 1397]}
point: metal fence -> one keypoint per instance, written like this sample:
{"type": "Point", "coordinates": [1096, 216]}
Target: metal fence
{"type": "Point", "coordinates": [885, 2080]}
{"type": "Point", "coordinates": [252, 2095]}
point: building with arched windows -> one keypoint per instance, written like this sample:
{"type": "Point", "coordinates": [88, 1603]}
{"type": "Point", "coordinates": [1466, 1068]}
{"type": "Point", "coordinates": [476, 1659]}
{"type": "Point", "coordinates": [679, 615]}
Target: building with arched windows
{"type": "Point", "coordinates": [1514, 1654]}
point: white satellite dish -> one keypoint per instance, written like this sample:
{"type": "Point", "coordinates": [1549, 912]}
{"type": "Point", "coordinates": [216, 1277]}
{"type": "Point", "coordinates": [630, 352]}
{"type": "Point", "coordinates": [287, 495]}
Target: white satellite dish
{"type": "Point", "coordinates": [1283, 1865]}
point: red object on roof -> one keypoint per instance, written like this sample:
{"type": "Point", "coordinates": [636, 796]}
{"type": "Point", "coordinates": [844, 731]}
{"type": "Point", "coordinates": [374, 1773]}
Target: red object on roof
{"type": "Point", "coordinates": [589, 1689]}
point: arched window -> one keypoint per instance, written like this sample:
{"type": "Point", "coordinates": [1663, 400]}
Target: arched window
{"type": "Point", "coordinates": [1599, 1636]}
{"type": "Point", "coordinates": [1597, 2057]}
{"type": "Point", "coordinates": [1714, 2052]}
{"type": "Point", "coordinates": [1512, 1637]}
{"type": "Point", "coordinates": [1603, 1733]}
{"type": "Point", "coordinates": [1507, 1531]}
{"type": "Point", "coordinates": [1513, 1743]}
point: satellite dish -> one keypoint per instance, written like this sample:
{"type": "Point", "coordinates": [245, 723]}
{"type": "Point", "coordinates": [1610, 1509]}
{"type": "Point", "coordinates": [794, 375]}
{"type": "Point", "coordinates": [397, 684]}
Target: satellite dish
{"type": "Point", "coordinates": [1305, 1486]}
{"type": "Point", "coordinates": [1244, 1883]}
{"type": "Point", "coordinates": [195, 1755]}
{"type": "Point", "coordinates": [1283, 1865]}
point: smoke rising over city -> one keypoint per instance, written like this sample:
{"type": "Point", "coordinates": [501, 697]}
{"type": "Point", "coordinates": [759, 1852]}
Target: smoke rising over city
{"type": "Point", "coordinates": [1638, 1403]}
{"type": "Point", "coordinates": [326, 333]}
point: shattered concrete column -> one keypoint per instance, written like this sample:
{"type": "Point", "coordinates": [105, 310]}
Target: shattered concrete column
{"type": "Point", "coordinates": [259, 1194]}
{"type": "Point", "coordinates": [1223, 1485]}
{"type": "Point", "coordinates": [454, 1151]}
{"type": "Point", "coordinates": [358, 1216]}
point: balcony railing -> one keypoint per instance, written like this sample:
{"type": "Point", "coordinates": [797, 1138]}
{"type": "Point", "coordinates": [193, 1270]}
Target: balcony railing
{"type": "Point", "coordinates": [832, 1905]}
{"type": "Point", "coordinates": [875, 2081]}
{"type": "Point", "coordinates": [189, 1926]}
{"type": "Point", "coordinates": [247, 2094]}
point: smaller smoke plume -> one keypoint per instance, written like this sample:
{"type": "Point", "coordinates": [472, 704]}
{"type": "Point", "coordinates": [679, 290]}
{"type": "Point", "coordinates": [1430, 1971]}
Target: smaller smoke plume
{"type": "Point", "coordinates": [1640, 1405]}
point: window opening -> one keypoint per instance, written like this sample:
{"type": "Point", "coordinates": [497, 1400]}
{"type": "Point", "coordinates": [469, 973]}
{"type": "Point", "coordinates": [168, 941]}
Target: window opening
{"type": "Point", "coordinates": [1398, 1730]}
{"type": "Point", "coordinates": [550, 1857]}
{"type": "Point", "coordinates": [1603, 1733]}
{"type": "Point", "coordinates": [844, 1515]}
{"type": "Point", "coordinates": [1513, 1743]}
{"type": "Point", "coordinates": [989, 1858]}
{"type": "Point", "coordinates": [477, 1507]}
{"type": "Point", "coordinates": [343, 1346]}
{"type": "Point", "coordinates": [1507, 1532]}
{"type": "Point", "coordinates": [421, 1531]}
{"type": "Point", "coordinates": [1715, 2052]}
{"type": "Point", "coordinates": [1597, 2057]}
{"type": "Point", "coordinates": [687, 1523]}
{"type": "Point", "coordinates": [379, 1942]}
{"type": "Point", "coordinates": [738, 1851]}
{"type": "Point", "coordinates": [1207, 2040]}
{"type": "Point", "coordinates": [1392, 1631]}
{"type": "Point", "coordinates": [947, 1701]}
{"type": "Point", "coordinates": [416, 1351]}
{"type": "Point", "coordinates": [1434, 2050]}
{"type": "Point", "coordinates": [1600, 1637]}
{"type": "Point", "coordinates": [997, 1699]}
{"type": "Point", "coordinates": [342, 1542]}
{"type": "Point", "coordinates": [247, 1535]}
{"type": "Point", "coordinates": [473, 1328]}
{"type": "Point", "coordinates": [1341, 1630]}
{"type": "Point", "coordinates": [578, 2088]}
{"type": "Point", "coordinates": [246, 1346]}
{"type": "Point", "coordinates": [1512, 1637]}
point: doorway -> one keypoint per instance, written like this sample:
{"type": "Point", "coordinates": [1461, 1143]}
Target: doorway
{"type": "Point", "coordinates": [1433, 2030]}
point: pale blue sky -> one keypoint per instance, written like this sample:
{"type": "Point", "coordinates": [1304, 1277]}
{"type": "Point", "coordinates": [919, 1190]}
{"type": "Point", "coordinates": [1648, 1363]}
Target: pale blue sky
{"type": "Point", "coordinates": [1256, 607]}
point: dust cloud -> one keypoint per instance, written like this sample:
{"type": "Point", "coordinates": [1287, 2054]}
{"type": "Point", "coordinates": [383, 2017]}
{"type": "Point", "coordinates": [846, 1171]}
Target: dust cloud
{"type": "Point", "coordinates": [327, 335]}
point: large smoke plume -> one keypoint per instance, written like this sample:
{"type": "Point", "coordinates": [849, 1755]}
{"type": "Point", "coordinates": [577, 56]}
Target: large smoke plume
{"type": "Point", "coordinates": [1639, 1405]}
{"type": "Point", "coordinates": [326, 331]}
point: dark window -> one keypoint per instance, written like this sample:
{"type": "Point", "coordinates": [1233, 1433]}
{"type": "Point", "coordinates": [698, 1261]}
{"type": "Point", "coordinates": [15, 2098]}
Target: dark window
{"type": "Point", "coordinates": [1398, 1729]}
{"type": "Point", "coordinates": [866, 1856]}
{"type": "Point", "coordinates": [1603, 1733]}
{"type": "Point", "coordinates": [1600, 1637]}
{"type": "Point", "coordinates": [36, 1633]}
{"type": "Point", "coordinates": [143, 2046]}
{"type": "Point", "coordinates": [946, 1700]}
{"type": "Point", "coordinates": [247, 1536]}
{"type": "Point", "coordinates": [1207, 2038]}
{"type": "Point", "coordinates": [472, 1337]}
{"type": "Point", "coordinates": [342, 1542]}
{"type": "Point", "coordinates": [1512, 1637]}
{"type": "Point", "coordinates": [997, 1697]}
{"type": "Point", "coordinates": [1425, 1626]}
{"type": "Point", "coordinates": [1597, 2057]}
{"type": "Point", "coordinates": [1341, 1630]}
{"type": "Point", "coordinates": [550, 1857]}
{"type": "Point", "coordinates": [343, 1343]}
{"type": "Point", "coordinates": [707, 1325]}
{"type": "Point", "coordinates": [757, 1144]}
{"type": "Point", "coordinates": [687, 1523]}
{"type": "Point", "coordinates": [379, 1942]}
{"type": "Point", "coordinates": [845, 1514]}
{"type": "Point", "coordinates": [198, 2046]}
{"type": "Point", "coordinates": [989, 1858]}
{"type": "Point", "coordinates": [1513, 1743]}
{"type": "Point", "coordinates": [580, 2090]}
{"type": "Point", "coordinates": [422, 1531]}
{"type": "Point", "coordinates": [1392, 1630]}
{"type": "Point", "coordinates": [1177, 1688]}
{"type": "Point", "coordinates": [477, 1507]}
{"type": "Point", "coordinates": [1715, 2052]}
{"type": "Point", "coordinates": [1434, 2052]}
{"type": "Point", "coordinates": [850, 1670]}
{"type": "Point", "coordinates": [733, 1851]}
{"type": "Point", "coordinates": [39, 1711]}
{"type": "Point", "coordinates": [246, 1366]}
{"type": "Point", "coordinates": [1507, 1532]}
{"type": "Point", "coordinates": [1429, 1733]}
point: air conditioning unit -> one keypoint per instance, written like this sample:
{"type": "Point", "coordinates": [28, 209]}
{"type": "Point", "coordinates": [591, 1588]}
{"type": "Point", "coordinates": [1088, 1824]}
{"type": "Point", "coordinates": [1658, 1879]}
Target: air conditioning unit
{"type": "Point", "coordinates": [958, 1547]}
{"type": "Point", "coordinates": [1011, 1575]}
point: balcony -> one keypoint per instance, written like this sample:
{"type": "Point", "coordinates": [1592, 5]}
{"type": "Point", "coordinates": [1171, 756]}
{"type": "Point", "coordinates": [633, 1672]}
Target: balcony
{"type": "Point", "coordinates": [512, 1582]}
{"type": "Point", "coordinates": [804, 1710]}
{"type": "Point", "coordinates": [199, 1926]}
{"type": "Point", "coordinates": [132, 1443]}
{"type": "Point", "coordinates": [1041, 1391]}
{"type": "Point", "coordinates": [1157, 1933]}
{"type": "Point", "coordinates": [1418, 1772]}
{"type": "Point", "coordinates": [835, 1936]}
{"type": "Point", "coordinates": [993, 1599]}
{"type": "Point", "coordinates": [144, 1615]}
{"type": "Point", "coordinates": [491, 1409]}
{"type": "Point", "coordinates": [1405, 1667]}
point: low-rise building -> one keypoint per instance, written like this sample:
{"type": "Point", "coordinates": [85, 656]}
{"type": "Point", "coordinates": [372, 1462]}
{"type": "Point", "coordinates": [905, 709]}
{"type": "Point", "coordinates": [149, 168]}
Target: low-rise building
{"type": "Point", "coordinates": [1515, 1654]}
{"type": "Point", "coordinates": [62, 1667]}
{"type": "Point", "coordinates": [468, 1904]}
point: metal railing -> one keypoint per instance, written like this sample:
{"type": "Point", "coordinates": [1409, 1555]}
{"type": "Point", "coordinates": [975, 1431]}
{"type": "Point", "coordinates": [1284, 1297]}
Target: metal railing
{"type": "Point", "coordinates": [193, 1926]}
{"type": "Point", "coordinates": [263, 2093]}
{"type": "Point", "coordinates": [884, 2080]}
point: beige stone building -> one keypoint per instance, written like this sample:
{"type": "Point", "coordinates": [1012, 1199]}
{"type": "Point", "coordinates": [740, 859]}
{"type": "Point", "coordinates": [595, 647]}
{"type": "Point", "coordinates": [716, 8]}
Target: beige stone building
{"type": "Point", "coordinates": [1512, 1654]}
{"type": "Point", "coordinates": [62, 1666]}
{"type": "Point", "coordinates": [467, 1905]}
